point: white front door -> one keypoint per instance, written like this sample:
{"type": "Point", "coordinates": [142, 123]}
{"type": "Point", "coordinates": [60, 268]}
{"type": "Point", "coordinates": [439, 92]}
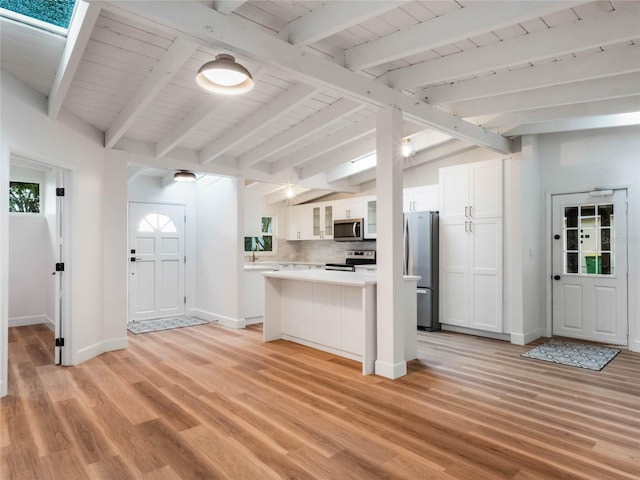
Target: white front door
{"type": "Point", "coordinates": [156, 260]}
{"type": "Point", "coordinates": [590, 266]}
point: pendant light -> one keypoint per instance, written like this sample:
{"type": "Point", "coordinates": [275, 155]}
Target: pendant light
{"type": "Point", "coordinates": [407, 148]}
{"type": "Point", "coordinates": [184, 176]}
{"type": "Point", "coordinates": [225, 76]}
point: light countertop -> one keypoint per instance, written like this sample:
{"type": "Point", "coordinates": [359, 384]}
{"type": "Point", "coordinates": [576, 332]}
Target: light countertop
{"type": "Point", "coordinates": [357, 279]}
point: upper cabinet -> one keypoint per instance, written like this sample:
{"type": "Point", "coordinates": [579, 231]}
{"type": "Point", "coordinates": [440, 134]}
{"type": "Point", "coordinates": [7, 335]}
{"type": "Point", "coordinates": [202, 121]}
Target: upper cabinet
{"type": "Point", "coordinates": [420, 199]}
{"type": "Point", "coordinates": [322, 220]}
{"type": "Point", "coordinates": [349, 208]}
{"type": "Point", "coordinates": [370, 218]}
{"type": "Point", "coordinates": [252, 213]}
{"type": "Point", "coordinates": [299, 222]}
{"type": "Point", "coordinates": [472, 190]}
{"type": "Point", "coordinates": [312, 221]}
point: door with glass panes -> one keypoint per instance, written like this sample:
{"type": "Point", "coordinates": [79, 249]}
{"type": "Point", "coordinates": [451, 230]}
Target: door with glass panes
{"type": "Point", "coordinates": [156, 261]}
{"type": "Point", "coordinates": [590, 266]}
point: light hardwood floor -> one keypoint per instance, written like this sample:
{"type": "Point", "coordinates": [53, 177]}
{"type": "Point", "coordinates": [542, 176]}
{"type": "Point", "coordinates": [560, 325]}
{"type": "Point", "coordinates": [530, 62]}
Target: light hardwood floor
{"type": "Point", "coordinates": [206, 402]}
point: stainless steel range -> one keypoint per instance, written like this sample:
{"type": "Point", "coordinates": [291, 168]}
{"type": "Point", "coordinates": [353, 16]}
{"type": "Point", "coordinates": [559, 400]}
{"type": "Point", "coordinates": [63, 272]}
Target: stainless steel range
{"type": "Point", "coordinates": [353, 258]}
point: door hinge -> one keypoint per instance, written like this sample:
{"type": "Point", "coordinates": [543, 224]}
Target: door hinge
{"type": "Point", "coordinates": [59, 192]}
{"type": "Point", "coordinates": [185, 259]}
{"type": "Point", "coordinates": [59, 342]}
{"type": "Point", "coordinates": [185, 299]}
{"type": "Point", "coordinates": [59, 267]}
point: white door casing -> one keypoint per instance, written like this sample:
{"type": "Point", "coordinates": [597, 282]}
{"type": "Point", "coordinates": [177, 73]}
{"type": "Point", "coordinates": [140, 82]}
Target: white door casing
{"type": "Point", "coordinates": [156, 260]}
{"type": "Point", "coordinates": [589, 265]}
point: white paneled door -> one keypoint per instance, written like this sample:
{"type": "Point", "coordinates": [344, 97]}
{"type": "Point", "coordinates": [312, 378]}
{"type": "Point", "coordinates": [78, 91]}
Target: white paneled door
{"type": "Point", "coordinates": [590, 266]}
{"type": "Point", "coordinates": [156, 260]}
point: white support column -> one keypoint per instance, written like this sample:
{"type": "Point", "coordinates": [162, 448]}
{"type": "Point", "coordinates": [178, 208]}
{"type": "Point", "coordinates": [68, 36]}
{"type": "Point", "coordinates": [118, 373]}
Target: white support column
{"type": "Point", "coordinates": [390, 362]}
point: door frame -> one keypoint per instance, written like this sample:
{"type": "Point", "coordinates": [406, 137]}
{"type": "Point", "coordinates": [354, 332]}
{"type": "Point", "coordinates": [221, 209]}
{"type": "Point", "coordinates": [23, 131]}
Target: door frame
{"type": "Point", "coordinates": [632, 259]}
{"type": "Point", "coordinates": [184, 240]}
{"type": "Point", "coordinates": [67, 327]}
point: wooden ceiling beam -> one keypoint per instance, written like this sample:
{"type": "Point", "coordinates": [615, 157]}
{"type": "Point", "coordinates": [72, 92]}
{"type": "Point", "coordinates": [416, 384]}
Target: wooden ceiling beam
{"type": "Point", "coordinates": [178, 53]}
{"type": "Point", "coordinates": [605, 29]}
{"type": "Point", "coordinates": [333, 17]}
{"type": "Point", "coordinates": [599, 65]}
{"type": "Point", "coordinates": [324, 118]}
{"type": "Point", "coordinates": [456, 26]}
{"type": "Point", "coordinates": [204, 24]}
{"type": "Point", "coordinates": [286, 102]}
{"type": "Point", "coordinates": [82, 23]}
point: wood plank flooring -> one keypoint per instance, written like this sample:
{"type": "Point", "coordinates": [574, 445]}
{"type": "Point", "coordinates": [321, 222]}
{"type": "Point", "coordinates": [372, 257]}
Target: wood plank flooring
{"type": "Point", "coordinates": [206, 402]}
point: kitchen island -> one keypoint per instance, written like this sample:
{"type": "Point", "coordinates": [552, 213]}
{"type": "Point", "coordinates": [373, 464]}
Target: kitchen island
{"type": "Point", "coordinates": [332, 311]}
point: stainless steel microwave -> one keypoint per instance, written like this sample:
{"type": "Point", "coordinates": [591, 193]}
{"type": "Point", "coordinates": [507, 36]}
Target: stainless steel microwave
{"type": "Point", "coordinates": [348, 230]}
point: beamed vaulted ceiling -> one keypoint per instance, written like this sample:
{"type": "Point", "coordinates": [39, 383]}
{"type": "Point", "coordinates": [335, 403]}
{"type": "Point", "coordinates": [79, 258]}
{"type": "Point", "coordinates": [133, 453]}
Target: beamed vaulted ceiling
{"type": "Point", "coordinates": [466, 74]}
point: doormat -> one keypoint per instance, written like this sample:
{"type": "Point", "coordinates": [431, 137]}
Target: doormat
{"type": "Point", "coordinates": [146, 326]}
{"type": "Point", "coordinates": [573, 354]}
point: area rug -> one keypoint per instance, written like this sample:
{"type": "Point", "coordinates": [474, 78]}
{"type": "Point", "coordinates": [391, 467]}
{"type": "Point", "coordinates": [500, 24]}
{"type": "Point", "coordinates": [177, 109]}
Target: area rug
{"type": "Point", "coordinates": [146, 326]}
{"type": "Point", "coordinates": [573, 354]}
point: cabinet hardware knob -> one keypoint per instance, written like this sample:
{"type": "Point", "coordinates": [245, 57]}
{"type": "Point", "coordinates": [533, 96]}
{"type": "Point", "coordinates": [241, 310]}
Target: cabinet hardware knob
{"type": "Point", "coordinates": [556, 277]}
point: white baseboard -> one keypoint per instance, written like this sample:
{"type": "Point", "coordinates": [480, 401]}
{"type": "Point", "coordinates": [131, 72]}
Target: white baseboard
{"type": "Point", "coordinates": [634, 346]}
{"type": "Point", "coordinates": [3, 389]}
{"type": "Point", "coordinates": [477, 333]}
{"type": "Point", "coordinates": [390, 370]}
{"type": "Point", "coordinates": [253, 320]}
{"type": "Point", "coordinates": [99, 348]}
{"type": "Point", "coordinates": [27, 320]}
{"type": "Point", "coordinates": [523, 339]}
{"type": "Point", "coordinates": [235, 323]}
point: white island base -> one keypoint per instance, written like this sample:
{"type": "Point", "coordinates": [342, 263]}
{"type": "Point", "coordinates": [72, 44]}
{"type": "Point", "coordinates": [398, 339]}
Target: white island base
{"type": "Point", "coordinates": [332, 311]}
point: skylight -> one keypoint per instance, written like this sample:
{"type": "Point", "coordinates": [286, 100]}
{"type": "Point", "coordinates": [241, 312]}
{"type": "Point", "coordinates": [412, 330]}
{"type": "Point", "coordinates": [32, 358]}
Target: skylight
{"type": "Point", "coordinates": [50, 15]}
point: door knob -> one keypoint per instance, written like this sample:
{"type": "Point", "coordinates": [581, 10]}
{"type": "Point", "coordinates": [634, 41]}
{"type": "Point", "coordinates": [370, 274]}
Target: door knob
{"type": "Point", "coordinates": [556, 277]}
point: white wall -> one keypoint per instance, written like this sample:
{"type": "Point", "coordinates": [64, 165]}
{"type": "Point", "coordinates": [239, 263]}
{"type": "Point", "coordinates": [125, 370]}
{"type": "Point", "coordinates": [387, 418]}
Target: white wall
{"type": "Point", "coordinates": [219, 250]}
{"type": "Point", "coordinates": [579, 161]}
{"type": "Point", "coordinates": [30, 266]}
{"type": "Point", "coordinates": [69, 143]}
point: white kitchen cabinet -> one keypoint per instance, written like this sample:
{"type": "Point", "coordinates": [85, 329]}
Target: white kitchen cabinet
{"type": "Point", "coordinates": [370, 217]}
{"type": "Point", "coordinates": [472, 190]}
{"type": "Point", "coordinates": [299, 222]}
{"type": "Point", "coordinates": [322, 220]}
{"type": "Point", "coordinates": [254, 295]}
{"type": "Point", "coordinates": [420, 199]}
{"type": "Point", "coordinates": [471, 246]}
{"type": "Point", "coordinates": [348, 208]}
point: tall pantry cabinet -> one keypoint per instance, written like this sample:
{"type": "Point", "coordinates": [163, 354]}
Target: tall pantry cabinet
{"type": "Point", "coordinates": [471, 245]}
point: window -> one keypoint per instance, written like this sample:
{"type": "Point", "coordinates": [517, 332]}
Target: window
{"type": "Point", "coordinates": [157, 222]}
{"type": "Point", "coordinates": [264, 244]}
{"type": "Point", "coordinates": [588, 240]}
{"type": "Point", "coordinates": [24, 197]}
{"type": "Point", "coordinates": [37, 12]}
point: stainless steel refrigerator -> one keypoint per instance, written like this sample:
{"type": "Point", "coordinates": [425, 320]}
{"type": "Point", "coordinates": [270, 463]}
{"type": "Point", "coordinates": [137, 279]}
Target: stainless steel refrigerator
{"type": "Point", "coordinates": [421, 258]}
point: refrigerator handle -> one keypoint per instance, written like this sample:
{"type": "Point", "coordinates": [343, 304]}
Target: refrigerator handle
{"type": "Point", "coordinates": [406, 247]}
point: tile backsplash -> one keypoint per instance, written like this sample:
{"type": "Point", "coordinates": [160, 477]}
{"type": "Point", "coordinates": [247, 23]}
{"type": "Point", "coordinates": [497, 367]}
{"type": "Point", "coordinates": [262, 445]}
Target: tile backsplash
{"type": "Point", "coordinates": [318, 251]}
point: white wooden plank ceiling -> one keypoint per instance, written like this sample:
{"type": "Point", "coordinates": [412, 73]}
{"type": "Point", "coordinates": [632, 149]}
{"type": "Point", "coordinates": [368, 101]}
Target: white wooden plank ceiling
{"type": "Point", "coordinates": [467, 74]}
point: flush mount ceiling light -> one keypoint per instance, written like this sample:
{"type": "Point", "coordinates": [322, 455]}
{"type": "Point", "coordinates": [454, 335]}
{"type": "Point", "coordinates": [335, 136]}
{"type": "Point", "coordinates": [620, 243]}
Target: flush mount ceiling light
{"type": "Point", "coordinates": [224, 75]}
{"type": "Point", "coordinates": [184, 176]}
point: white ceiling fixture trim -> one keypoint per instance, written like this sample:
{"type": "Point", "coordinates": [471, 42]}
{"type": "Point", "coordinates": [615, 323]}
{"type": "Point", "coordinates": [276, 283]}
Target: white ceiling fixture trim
{"type": "Point", "coordinates": [213, 27]}
{"type": "Point", "coordinates": [162, 73]}
{"type": "Point", "coordinates": [80, 28]}
{"type": "Point", "coordinates": [324, 118]}
{"type": "Point", "coordinates": [605, 29]}
{"type": "Point", "coordinates": [461, 24]}
{"type": "Point", "coordinates": [333, 17]}
{"type": "Point", "coordinates": [289, 100]}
